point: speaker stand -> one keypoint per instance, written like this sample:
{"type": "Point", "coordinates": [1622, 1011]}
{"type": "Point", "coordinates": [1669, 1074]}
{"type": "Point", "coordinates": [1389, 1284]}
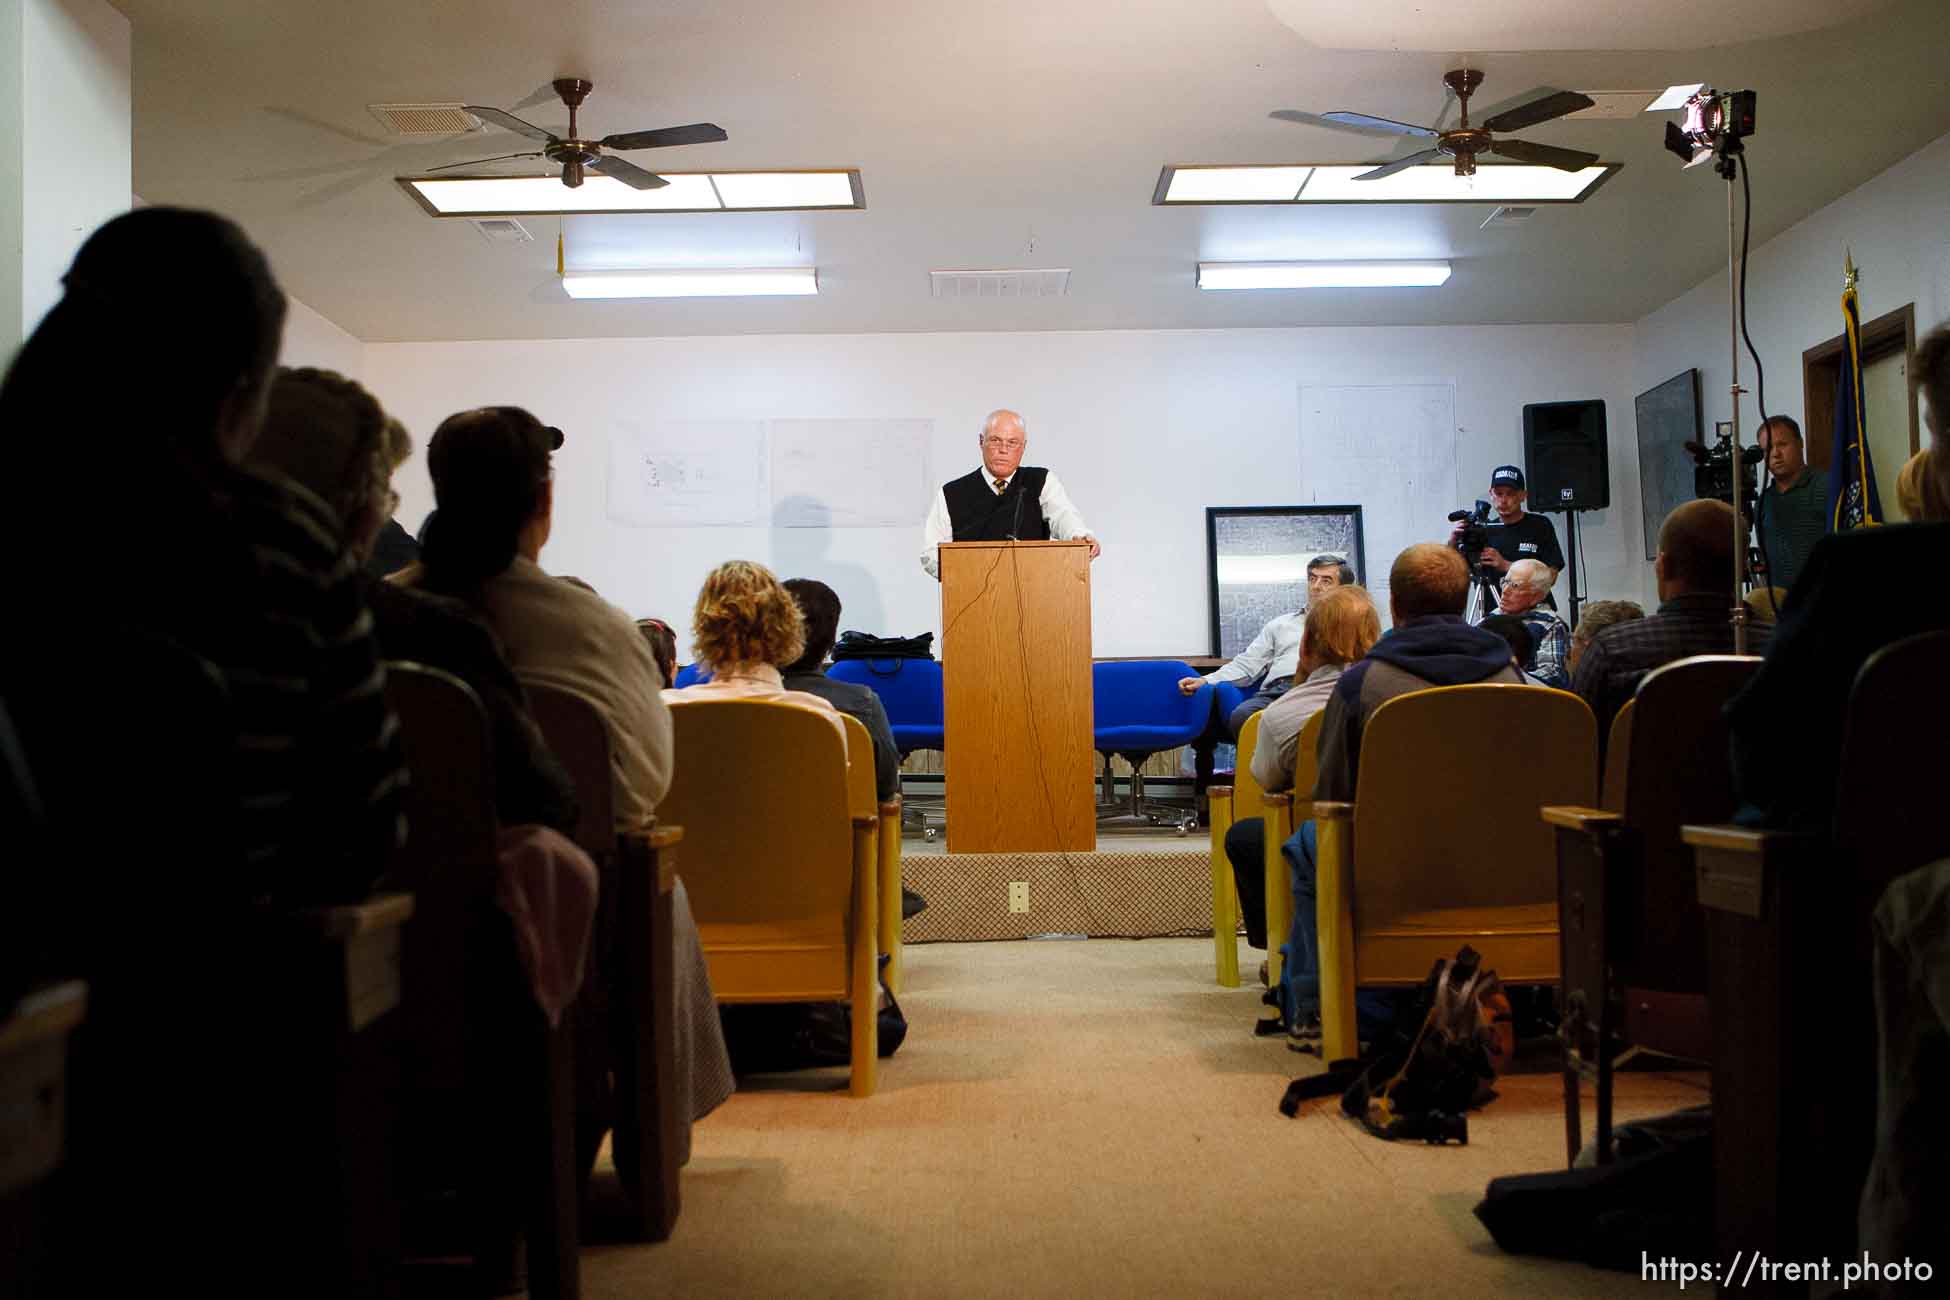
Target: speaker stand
{"type": "Point", "coordinates": [1571, 532]}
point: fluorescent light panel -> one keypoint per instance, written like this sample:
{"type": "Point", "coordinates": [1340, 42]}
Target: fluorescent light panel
{"type": "Point", "coordinates": [693, 283]}
{"type": "Point", "coordinates": [1431, 183]}
{"type": "Point", "coordinates": [507, 196]}
{"type": "Point", "coordinates": [1321, 275]}
{"type": "Point", "coordinates": [1236, 184]}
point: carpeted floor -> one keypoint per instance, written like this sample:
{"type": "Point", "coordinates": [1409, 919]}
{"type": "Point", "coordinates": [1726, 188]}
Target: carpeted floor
{"type": "Point", "coordinates": [1094, 1119]}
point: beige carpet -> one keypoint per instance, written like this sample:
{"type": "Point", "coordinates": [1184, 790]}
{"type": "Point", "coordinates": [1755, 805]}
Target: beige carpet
{"type": "Point", "coordinates": [1094, 1119]}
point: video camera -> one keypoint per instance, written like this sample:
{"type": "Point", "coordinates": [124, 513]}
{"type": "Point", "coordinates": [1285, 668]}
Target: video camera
{"type": "Point", "coordinates": [1713, 470]}
{"type": "Point", "coordinates": [1475, 533]}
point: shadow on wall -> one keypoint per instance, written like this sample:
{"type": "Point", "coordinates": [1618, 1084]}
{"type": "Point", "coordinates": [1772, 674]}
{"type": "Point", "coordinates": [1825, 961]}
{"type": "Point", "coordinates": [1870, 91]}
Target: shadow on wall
{"type": "Point", "coordinates": [802, 537]}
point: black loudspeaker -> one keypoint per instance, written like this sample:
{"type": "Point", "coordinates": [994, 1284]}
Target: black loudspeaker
{"type": "Point", "coordinates": [1564, 456]}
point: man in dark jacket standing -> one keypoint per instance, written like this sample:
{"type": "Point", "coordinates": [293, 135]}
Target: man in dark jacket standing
{"type": "Point", "coordinates": [1430, 645]}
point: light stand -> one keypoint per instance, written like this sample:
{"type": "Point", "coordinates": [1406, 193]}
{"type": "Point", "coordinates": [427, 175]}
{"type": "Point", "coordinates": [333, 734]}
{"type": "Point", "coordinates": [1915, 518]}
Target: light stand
{"type": "Point", "coordinates": [1726, 161]}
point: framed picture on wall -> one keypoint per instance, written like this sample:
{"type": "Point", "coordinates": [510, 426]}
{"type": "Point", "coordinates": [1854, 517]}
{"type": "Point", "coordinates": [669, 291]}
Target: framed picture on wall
{"type": "Point", "coordinates": [1257, 563]}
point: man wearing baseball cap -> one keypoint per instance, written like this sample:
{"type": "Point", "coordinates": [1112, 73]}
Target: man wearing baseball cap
{"type": "Point", "coordinates": [1514, 535]}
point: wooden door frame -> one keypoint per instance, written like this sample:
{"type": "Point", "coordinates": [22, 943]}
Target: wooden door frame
{"type": "Point", "coordinates": [1821, 369]}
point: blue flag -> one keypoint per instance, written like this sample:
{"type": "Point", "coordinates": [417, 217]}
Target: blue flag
{"type": "Point", "coordinates": [1852, 499]}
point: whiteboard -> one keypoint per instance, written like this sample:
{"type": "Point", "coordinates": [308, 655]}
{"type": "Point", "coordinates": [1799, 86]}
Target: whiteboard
{"type": "Point", "coordinates": [687, 474]}
{"type": "Point", "coordinates": [1390, 449]}
{"type": "Point", "coordinates": [848, 473]}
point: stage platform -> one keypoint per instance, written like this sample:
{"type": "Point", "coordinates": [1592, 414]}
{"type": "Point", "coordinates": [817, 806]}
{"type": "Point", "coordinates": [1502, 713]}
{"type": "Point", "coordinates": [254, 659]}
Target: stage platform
{"type": "Point", "coordinates": [1136, 885]}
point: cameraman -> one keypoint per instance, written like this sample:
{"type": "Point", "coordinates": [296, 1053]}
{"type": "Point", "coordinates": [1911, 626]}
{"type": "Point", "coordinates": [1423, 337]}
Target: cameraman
{"type": "Point", "coordinates": [1793, 511]}
{"type": "Point", "coordinates": [1514, 535]}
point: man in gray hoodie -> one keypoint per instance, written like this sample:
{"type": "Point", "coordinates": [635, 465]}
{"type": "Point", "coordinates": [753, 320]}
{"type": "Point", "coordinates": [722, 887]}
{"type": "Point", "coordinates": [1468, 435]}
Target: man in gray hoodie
{"type": "Point", "coordinates": [1430, 645]}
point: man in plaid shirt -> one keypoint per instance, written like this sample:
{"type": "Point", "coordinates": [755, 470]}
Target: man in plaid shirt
{"type": "Point", "coordinates": [1524, 589]}
{"type": "Point", "coordinates": [1695, 574]}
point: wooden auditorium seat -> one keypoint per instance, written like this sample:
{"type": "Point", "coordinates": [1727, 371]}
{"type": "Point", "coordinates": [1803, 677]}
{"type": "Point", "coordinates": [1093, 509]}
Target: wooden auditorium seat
{"type": "Point", "coordinates": [1634, 941]}
{"type": "Point", "coordinates": [861, 796]}
{"type": "Point", "coordinates": [1285, 810]}
{"type": "Point", "coordinates": [1432, 854]}
{"type": "Point", "coordinates": [626, 1018]}
{"type": "Point", "coordinates": [1229, 804]}
{"type": "Point", "coordinates": [783, 860]}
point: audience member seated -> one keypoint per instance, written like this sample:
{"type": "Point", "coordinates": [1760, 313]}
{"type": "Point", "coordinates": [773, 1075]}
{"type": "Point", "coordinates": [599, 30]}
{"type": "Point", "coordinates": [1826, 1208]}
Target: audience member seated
{"type": "Point", "coordinates": [1595, 618]}
{"type": "Point", "coordinates": [327, 435]}
{"type": "Point", "coordinates": [494, 484]}
{"type": "Point", "coordinates": [1430, 645]}
{"type": "Point", "coordinates": [820, 605]}
{"type": "Point", "coordinates": [745, 627]}
{"type": "Point", "coordinates": [392, 550]}
{"type": "Point", "coordinates": [1920, 493]}
{"type": "Point", "coordinates": [1341, 626]}
{"type": "Point", "coordinates": [1524, 588]}
{"type": "Point", "coordinates": [1694, 569]}
{"type": "Point", "coordinates": [663, 647]}
{"type": "Point", "coordinates": [147, 383]}
{"type": "Point", "coordinates": [1517, 633]}
{"type": "Point", "coordinates": [1764, 605]}
{"type": "Point", "coordinates": [149, 564]}
{"type": "Point", "coordinates": [1860, 591]}
{"type": "Point", "coordinates": [494, 488]}
{"type": "Point", "coordinates": [1275, 652]}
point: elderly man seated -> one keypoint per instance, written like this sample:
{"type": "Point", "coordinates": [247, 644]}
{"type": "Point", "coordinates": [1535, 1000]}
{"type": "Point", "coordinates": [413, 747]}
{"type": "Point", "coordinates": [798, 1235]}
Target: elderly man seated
{"type": "Point", "coordinates": [1524, 590]}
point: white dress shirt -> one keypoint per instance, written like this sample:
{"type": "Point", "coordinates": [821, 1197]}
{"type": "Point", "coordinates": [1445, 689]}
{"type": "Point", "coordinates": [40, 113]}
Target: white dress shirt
{"type": "Point", "coordinates": [1276, 651]}
{"type": "Point", "coordinates": [1065, 524]}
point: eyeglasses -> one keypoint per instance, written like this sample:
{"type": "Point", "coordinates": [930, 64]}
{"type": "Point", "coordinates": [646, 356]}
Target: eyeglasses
{"type": "Point", "coordinates": [1012, 444]}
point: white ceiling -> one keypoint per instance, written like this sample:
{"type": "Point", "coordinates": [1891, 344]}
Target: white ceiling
{"type": "Point", "coordinates": [997, 133]}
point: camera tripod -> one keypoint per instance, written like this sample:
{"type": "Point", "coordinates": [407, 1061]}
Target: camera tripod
{"type": "Point", "coordinates": [1485, 592]}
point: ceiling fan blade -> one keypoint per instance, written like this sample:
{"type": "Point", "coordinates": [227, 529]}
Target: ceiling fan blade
{"type": "Point", "coordinates": [509, 122]}
{"type": "Point", "coordinates": [477, 162]}
{"type": "Point", "coordinates": [1362, 122]}
{"type": "Point", "coordinates": [1538, 110]}
{"type": "Point", "coordinates": [629, 173]}
{"type": "Point", "coordinates": [542, 94]}
{"type": "Point", "coordinates": [695, 133]}
{"type": "Point", "coordinates": [1545, 155]}
{"type": "Point", "coordinates": [1401, 164]}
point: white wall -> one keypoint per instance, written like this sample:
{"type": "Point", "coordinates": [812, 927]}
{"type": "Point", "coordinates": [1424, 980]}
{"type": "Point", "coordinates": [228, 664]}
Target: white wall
{"type": "Point", "coordinates": [75, 137]}
{"type": "Point", "coordinates": [1146, 427]}
{"type": "Point", "coordinates": [1894, 223]}
{"type": "Point", "coordinates": [312, 340]}
{"type": "Point", "coordinates": [12, 115]}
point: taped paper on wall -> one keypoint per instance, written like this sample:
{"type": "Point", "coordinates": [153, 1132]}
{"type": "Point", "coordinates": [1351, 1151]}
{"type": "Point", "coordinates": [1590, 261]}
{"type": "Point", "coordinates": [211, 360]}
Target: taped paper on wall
{"type": "Point", "coordinates": [689, 473]}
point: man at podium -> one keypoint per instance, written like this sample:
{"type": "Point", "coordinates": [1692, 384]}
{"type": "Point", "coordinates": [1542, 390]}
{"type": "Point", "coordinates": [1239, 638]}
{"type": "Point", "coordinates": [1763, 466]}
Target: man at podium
{"type": "Point", "coordinates": [1002, 501]}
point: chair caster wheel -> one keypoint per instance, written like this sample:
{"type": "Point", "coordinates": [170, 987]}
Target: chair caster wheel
{"type": "Point", "coordinates": [928, 834]}
{"type": "Point", "coordinates": [1186, 827]}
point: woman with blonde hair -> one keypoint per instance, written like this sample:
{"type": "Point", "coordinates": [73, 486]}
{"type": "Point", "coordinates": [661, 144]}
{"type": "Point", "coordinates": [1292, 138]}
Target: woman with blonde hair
{"type": "Point", "coordinates": [1342, 626]}
{"type": "Point", "coordinates": [745, 627]}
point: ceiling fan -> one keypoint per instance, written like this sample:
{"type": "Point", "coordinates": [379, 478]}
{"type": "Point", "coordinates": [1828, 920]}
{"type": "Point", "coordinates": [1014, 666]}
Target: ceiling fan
{"type": "Point", "coordinates": [1463, 142]}
{"type": "Point", "coordinates": [578, 155]}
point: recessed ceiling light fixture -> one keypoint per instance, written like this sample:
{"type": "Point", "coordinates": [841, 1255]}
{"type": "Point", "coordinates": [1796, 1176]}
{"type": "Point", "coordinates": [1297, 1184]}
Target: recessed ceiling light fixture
{"type": "Point", "coordinates": [1335, 183]}
{"type": "Point", "coordinates": [693, 282]}
{"type": "Point", "coordinates": [521, 196]}
{"type": "Point", "coordinates": [1321, 275]}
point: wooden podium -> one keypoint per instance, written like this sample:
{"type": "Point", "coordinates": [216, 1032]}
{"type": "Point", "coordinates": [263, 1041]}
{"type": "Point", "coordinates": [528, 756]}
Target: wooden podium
{"type": "Point", "coordinates": [1015, 663]}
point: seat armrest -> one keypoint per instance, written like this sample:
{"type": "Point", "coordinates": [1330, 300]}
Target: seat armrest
{"type": "Point", "coordinates": [655, 842]}
{"type": "Point", "coordinates": [891, 807]}
{"type": "Point", "coordinates": [1332, 810]}
{"type": "Point", "coordinates": [1218, 792]}
{"type": "Point", "coordinates": [1571, 817]}
{"type": "Point", "coordinates": [1276, 799]}
{"type": "Point", "coordinates": [1731, 863]}
{"type": "Point", "coordinates": [349, 920]}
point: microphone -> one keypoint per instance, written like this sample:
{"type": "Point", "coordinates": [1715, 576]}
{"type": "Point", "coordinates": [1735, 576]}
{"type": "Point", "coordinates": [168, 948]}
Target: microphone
{"type": "Point", "coordinates": [1015, 523]}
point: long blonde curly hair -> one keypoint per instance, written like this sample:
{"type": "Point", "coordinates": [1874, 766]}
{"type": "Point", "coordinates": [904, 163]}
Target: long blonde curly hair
{"type": "Point", "coordinates": [745, 615]}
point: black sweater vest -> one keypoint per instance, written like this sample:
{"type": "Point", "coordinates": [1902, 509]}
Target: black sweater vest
{"type": "Point", "coordinates": [980, 515]}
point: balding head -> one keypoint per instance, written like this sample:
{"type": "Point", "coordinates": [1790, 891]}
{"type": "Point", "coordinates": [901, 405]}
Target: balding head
{"type": "Point", "coordinates": [1696, 549]}
{"type": "Point", "coordinates": [1003, 439]}
{"type": "Point", "coordinates": [1427, 578]}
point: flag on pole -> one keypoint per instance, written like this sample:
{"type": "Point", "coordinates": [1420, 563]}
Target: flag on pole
{"type": "Point", "coordinates": [1852, 499]}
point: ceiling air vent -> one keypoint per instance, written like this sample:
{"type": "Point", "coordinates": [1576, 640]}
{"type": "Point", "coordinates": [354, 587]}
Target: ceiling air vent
{"type": "Point", "coordinates": [1509, 216]}
{"type": "Point", "coordinates": [1000, 284]}
{"type": "Point", "coordinates": [503, 230]}
{"type": "Point", "coordinates": [425, 119]}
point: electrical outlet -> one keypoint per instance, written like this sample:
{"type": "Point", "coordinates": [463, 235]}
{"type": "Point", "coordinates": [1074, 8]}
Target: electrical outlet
{"type": "Point", "coordinates": [1018, 895]}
